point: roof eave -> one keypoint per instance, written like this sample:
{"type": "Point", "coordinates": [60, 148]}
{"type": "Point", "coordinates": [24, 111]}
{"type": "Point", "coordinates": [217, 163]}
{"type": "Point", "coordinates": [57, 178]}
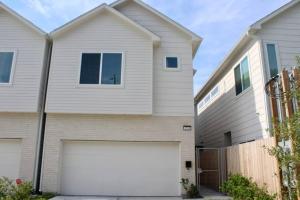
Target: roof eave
{"type": "Point", "coordinates": [244, 39]}
{"type": "Point", "coordinates": [24, 20]}
{"type": "Point", "coordinates": [60, 30]}
{"type": "Point", "coordinates": [195, 38]}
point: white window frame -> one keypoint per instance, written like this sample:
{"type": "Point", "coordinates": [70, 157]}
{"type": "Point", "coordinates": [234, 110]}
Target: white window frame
{"type": "Point", "coordinates": [211, 95]}
{"type": "Point", "coordinates": [121, 85]}
{"type": "Point", "coordinates": [12, 69]}
{"type": "Point", "coordinates": [265, 43]}
{"type": "Point", "coordinates": [178, 63]}
{"type": "Point", "coordinates": [211, 98]}
{"type": "Point", "coordinates": [241, 74]}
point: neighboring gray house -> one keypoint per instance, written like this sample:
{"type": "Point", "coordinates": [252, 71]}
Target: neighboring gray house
{"type": "Point", "coordinates": [232, 107]}
{"type": "Point", "coordinates": [23, 47]}
{"type": "Point", "coordinates": [120, 117]}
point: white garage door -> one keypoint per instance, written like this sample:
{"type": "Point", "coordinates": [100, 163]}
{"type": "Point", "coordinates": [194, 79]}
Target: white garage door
{"type": "Point", "coordinates": [10, 157]}
{"type": "Point", "coordinates": [120, 168]}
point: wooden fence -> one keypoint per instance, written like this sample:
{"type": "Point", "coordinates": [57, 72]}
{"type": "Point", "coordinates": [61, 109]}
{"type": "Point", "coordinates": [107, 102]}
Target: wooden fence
{"type": "Point", "coordinates": [283, 90]}
{"type": "Point", "coordinates": [253, 160]}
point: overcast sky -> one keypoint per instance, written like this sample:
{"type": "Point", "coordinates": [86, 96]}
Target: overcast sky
{"type": "Point", "coordinates": [220, 22]}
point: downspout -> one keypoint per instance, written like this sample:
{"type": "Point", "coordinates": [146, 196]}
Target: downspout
{"type": "Point", "coordinates": [42, 118]}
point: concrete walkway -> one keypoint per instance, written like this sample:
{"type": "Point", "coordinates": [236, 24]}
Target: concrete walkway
{"type": "Point", "coordinates": [212, 195]}
{"type": "Point", "coordinates": [208, 197]}
{"type": "Point", "coordinates": [113, 198]}
{"type": "Point", "coordinates": [206, 193]}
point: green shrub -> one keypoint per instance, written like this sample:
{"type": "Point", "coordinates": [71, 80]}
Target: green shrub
{"type": "Point", "coordinates": [242, 188]}
{"type": "Point", "coordinates": [18, 190]}
{"type": "Point", "coordinates": [190, 189]}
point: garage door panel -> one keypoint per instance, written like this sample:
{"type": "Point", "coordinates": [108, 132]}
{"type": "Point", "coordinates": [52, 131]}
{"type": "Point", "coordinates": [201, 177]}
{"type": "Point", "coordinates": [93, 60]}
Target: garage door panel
{"type": "Point", "coordinates": [120, 168]}
{"type": "Point", "coordinates": [10, 157]}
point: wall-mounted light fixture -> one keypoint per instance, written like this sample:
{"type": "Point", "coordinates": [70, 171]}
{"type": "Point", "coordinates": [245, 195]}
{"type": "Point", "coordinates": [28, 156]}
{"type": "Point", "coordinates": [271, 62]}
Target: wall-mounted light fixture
{"type": "Point", "coordinates": [187, 127]}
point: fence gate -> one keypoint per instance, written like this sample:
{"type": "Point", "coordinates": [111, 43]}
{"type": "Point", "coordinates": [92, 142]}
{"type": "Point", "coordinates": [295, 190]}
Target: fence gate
{"type": "Point", "coordinates": [211, 167]}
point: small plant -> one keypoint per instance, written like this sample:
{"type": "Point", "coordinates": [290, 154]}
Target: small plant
{"type": "Point", "coordinates": [242, 188]}
{"type": "Point", "coordinates": [190, 189]}
{"type": "Point", "coordinates": [18, 190]}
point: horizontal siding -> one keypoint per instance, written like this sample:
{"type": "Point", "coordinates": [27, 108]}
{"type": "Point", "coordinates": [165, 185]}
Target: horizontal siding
{"type": "Point", "coordinates": [23, 94]}
{"type": "Point", "coordinates": [172, 91]}
{"type": "Point", "coordinates": [104, 32]}
{"type": "Point", "coordinates": [284, 30]}
{"type": "Point", "coordinates": [23, 126]}
{"type": "Point", "coordinates": [244, 115]}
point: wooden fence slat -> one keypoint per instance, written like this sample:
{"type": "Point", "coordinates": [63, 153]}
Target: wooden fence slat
{"type": "Point", "coordinates": [253, 160]}
{"type": "Point", "coordinates": [296, 75]}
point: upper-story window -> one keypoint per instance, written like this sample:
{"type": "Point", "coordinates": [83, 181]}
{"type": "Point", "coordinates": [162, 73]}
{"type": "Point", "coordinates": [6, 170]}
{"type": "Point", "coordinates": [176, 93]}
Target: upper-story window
{"type": "Point", "coordinates": [242, 76]}
{"type": "Point", "coordinates": [271, 51]}
{"type": "Point", "coordinates": [6, 65]}
{"type": "Point", "coordinates": [101, 68]}
{"type": "Point", "coordinates": [172, 62]}
{"type": "Point", "coordinates": [213, 93]}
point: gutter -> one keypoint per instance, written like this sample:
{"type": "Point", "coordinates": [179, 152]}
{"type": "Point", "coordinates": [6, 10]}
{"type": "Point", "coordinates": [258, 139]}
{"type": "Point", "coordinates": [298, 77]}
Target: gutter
{"type": "Point", "coordinates": [223, 66]}
{"type": "Point", "coordinates": [42, 119]}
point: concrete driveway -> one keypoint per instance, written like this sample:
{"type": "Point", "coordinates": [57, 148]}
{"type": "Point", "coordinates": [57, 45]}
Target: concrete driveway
{"type": "Point", "coordinates": [113, 198]}
{"type": "Point", "coordinates": [212, 197]}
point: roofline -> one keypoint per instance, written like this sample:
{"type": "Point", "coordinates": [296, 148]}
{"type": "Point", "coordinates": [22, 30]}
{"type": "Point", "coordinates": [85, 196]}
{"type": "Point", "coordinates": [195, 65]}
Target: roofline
{"type": "Point", "coordinates": [195, 38]}
{"type": "Point", "coordinates": [258, 24]}
{"type": "Point", "coordinates": [104, 6]}
{"type": "Point", "coordinates": [245, 38]}
{"type": "Point", "coordinates": [23, 20]}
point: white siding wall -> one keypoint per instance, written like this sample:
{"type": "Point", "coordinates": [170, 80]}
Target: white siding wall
{"type": "Point", "coordinates": [104, 32]}
{"type": "Point", "coordinates": [284, 30]}
{"type": "Point", "coordinates": [173, 90]}
{"type": "Point", "coordinates": [244, 115]}
{"type": "Point", "coordinates": [21, 126]}
{"type": "Point", "coordinates": [23, 94]}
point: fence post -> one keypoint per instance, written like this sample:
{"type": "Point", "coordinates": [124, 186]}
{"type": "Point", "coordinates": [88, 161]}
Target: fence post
{"type": "Point", "coordinates": [289, 112]}
{"type": "Point", "coordinates": [288, 105]}
{"type": "Point", "coordinates": [296, 75]}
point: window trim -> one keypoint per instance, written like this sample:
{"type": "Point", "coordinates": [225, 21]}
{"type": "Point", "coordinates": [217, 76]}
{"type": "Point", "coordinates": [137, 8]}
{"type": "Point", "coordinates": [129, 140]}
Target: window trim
{"type": "Point", "coordinates": [13, 66]}
{"type": "Point", "coordinates": [172, 69]}
{"type": "Point", "coordinates": [265, 43]}
{"type": "Point", "coordinates": [211, 98]}
{"type": "Point", "coordinates": [121, 85]}
{"type": "Point", "coordinates": [249, 68]}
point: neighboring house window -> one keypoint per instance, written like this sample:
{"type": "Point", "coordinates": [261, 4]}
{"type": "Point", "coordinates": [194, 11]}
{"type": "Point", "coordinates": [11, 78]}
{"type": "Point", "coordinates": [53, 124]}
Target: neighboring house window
{"type": "Point", "coordinates": [213, 93]}
{"type": "Point", "coordinates": [172, 63]}
{"type": "Point", "coordinates": [207, 98]}
{"type": "Point", "coordinates": [6, 64]}
{"type": "Point", "coordinates": [272, 59]}
{"type": "Point", "coordinates": [101, 68]}
{"type": "Point", "coordinates": [242, 76]}
{"type": "Point", "coordinates": [199, 106]}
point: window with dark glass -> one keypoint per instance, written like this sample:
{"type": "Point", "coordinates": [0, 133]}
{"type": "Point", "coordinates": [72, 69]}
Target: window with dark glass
{"type": "Point", "coordinates": [6, 62]}
{"type": "Point", "coordinates": [90, 68]}
{"type": "Point", "coordinates": [242, 76]}
{"type": "Point", "coordinates": [238, 80]}
{"type": "Point", "coordinates": [272, 59]}
{"type": "Point", "coordinates": [172, 62]}
{"type": "Point", "coordinates": [111, 68]}
{"type": "Point", "coordinates": [101, 68]}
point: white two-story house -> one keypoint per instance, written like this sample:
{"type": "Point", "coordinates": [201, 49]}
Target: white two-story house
{"type": "Point", "coordinates": [232, 107]}
{"type": "Point", "coordinates": [120, 117]}
{"type": "Point", "coordinates": [23, 50]}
